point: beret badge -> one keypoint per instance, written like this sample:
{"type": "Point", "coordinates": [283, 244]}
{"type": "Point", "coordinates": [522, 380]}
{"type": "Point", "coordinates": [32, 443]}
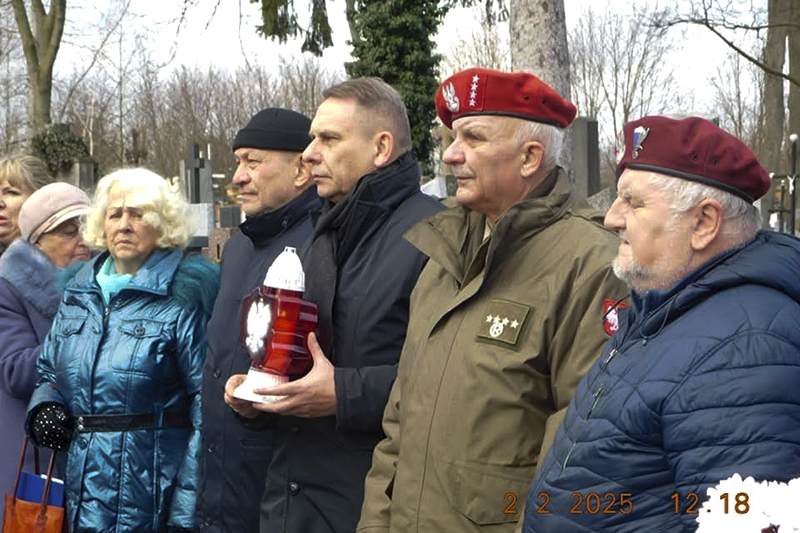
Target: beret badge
{"type": "Point", "coordinates": [639, 135]}
{"type": "Point", "coordinates": [619, 146]}
{"type": "Point", "coordinates": [483, 91]}
{"type": "Point", "coordinates": [694, 149]}
{"type": "Point", "coordinates": [449, 93]}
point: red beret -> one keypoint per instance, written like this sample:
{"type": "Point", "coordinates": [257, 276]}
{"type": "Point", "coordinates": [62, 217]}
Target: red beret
{"type": "Point", "coordinates": [695, 149]}
{"type": "Point", "coordinates": [483, 91]}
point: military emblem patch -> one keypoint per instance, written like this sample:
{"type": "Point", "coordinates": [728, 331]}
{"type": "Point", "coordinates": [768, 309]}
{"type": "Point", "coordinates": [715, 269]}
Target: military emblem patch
{"type": "Point", "coordinates": [449, 93]}
{"type": "Point", "coordinates": [611, 315]}
{"type": "Point", "coordinates": [503, 321]}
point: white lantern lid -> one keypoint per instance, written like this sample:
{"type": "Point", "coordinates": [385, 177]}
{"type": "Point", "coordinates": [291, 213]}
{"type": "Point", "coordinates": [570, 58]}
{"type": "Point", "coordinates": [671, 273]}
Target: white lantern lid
{"type": "Point", "coordinates": [286, 272]}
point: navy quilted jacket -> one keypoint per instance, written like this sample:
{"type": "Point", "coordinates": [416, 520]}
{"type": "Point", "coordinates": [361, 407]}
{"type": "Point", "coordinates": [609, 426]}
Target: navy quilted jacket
{"type": "Point", "coordinates": [699, 383]}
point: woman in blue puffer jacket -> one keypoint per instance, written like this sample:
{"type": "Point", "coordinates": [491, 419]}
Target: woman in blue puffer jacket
{"type": "Point", "coordinates": [121, 368]}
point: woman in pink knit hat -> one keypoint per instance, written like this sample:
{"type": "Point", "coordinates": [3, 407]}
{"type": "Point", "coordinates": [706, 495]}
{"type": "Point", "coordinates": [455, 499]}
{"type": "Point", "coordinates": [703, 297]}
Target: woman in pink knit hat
{"type": "Point", "coordinates": [48, 225]}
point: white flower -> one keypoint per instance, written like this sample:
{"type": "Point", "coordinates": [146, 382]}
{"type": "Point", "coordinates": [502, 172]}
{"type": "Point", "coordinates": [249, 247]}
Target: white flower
{"type": "Point", "coordinates": [747, 506]}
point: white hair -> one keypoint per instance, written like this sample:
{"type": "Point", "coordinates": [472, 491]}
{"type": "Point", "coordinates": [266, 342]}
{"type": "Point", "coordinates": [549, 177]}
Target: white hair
{"type": "Point", "coordinates": [741, 218]}
{"type": "Point", "coordinates": [551, 137]}
{"type": "Point", "coordinates": [165, 207]}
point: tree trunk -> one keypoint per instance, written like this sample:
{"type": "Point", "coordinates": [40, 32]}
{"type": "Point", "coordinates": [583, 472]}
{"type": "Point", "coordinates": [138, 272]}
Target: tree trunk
{"type": "Point", "coordinates": [773, 116]}
{"type": "Point", "coordinates": [538, 31]}
{"type": "Point", "coordinates": [793, 44]}
{"type": "Point", "coordinates": [42, 89]}
{"type": "Point", "coordinates": [40, 45]}
{"type": "Point", "coordinates": [350, 13]}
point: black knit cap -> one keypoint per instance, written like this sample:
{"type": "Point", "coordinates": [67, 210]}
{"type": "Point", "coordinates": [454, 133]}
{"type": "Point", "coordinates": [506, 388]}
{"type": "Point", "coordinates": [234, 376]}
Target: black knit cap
{"type": "Point", "coordinates": [275, 128]}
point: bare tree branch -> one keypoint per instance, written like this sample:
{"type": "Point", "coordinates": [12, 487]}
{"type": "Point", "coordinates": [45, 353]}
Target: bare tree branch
{"type": "Point", "coordinates": [97, 54]}
{"type": "Point", "coordinates": [26, 35]}
{"type": "Point", "coordinates": [213, 14]}
{"type": "Point", "coordinates": [702, 17]}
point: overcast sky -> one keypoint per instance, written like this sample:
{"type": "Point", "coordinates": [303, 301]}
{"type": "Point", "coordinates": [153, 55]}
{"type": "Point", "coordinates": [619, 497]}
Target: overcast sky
{"type": "Point", "coordinates": [222, 39]}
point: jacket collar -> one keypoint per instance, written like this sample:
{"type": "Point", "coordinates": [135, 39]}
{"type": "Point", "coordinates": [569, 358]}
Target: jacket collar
{"type": "Point", "coordinates": [261, 229]}
{"type": "Point", "coordinates": [391, 185]}
{"type": "Point", "coordinates": [32, 273]}
{"type": "Point", "coordinates": [376, 194]}
{"type": "Point", "coordinates": [388, 187]}
{"type": "Point", "coordinates": [769, 259]}
{"type": "Point", "coordinates": [153, 276]}
{"type": "Point", "coordinates": [446, 236]}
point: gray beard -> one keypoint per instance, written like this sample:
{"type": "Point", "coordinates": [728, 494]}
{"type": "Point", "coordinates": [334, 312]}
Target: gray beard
{"type": "Point", "coordinates": [632, 276]}
{"type": "Point", "coordinates": [642, 279]}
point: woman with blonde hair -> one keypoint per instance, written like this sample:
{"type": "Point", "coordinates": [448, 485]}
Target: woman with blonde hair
{"type": "Point", "coordinates": [20, 176]}
{"type": "Point", "coordinates": [121, 368]}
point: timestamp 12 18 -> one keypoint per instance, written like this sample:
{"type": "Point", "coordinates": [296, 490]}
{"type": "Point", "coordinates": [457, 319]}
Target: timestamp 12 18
{"type": "Point", "coordinates": [740, 503]}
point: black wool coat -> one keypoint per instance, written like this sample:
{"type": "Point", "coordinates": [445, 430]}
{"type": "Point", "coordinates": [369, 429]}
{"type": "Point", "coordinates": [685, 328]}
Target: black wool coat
{"type": "Point", "coordinates": [315, 482]}
{"type": "Point", "coordinates": [236, 457]}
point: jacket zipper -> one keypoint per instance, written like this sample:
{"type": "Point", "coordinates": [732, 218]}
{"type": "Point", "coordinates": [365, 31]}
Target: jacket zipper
{"type": "Point", "coordinates": [597, 394]}
{"type": "Point", "coordinates": [564, 465]}
{"type": "Point", "coordinates": [610, 356]}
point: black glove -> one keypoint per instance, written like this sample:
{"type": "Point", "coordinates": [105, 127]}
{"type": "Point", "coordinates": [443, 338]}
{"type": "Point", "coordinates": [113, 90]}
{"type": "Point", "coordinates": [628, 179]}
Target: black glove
{"type": "Point", "coordinates": [51, 426]}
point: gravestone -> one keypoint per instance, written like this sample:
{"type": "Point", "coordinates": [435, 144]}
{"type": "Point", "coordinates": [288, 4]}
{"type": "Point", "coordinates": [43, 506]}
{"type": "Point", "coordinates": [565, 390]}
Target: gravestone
{"type": "Point", "coordinates": [81, 175]}
{"type": "Point", "coordinates": [196, 172]}
{"type": "Point", "coordinates": [230, 216]}
{"type": "Point", "coordinates": [585, 156]}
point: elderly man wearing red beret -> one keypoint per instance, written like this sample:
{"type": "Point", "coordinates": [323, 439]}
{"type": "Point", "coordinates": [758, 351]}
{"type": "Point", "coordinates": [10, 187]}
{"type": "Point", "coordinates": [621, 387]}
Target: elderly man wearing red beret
{"type": "Point", "coordinates": [700, 382]}
{"type": "Point", "coordinates": [509, 313]}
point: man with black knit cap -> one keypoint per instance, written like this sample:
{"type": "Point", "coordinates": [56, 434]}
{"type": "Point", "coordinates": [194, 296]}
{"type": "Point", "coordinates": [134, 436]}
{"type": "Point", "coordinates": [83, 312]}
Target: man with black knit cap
{"type": "Point", "coordinates": [360, 272]}
{"type": "Point", "coordinates": [276, 196]}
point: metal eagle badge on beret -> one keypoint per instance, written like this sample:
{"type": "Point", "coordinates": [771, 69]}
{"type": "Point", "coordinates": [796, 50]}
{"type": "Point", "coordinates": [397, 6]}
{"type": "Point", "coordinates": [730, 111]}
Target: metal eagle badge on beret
{"type": "Point", "coordinates": [619, 146]}
{"type": "Point", "coordinates": [503, 321]}
{"type": "Point", "coordinates": [639, 135]}
{"type": "Point", "coordinates": [449, 93]}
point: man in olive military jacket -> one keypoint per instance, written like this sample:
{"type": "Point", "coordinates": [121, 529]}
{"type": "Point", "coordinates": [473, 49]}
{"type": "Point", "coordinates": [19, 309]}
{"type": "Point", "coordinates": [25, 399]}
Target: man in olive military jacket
{"type": "Point", "coordinates": [507, 316]}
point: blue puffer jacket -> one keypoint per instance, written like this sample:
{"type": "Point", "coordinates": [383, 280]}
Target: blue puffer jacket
{"type": "Point", "coordinates": [143, 353]}
{"type": "Point", "coordinates": [699, 383]}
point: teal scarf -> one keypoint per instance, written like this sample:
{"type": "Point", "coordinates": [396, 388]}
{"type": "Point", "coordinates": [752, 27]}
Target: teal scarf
{"type": "Point", "coordinates": [110, 282]}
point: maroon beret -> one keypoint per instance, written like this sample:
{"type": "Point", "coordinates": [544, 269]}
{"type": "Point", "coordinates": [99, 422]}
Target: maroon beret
{"type": "Point", "coordinates": [483, 91]}
{"type": "Point", "coordinates": [695, 149]}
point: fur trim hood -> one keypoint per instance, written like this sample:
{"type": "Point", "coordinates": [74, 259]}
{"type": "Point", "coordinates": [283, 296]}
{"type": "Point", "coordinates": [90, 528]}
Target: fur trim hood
{"type": "Point", "coordinates": [196, 282]}
{"type": "Point", "coordinates": [32, 273]}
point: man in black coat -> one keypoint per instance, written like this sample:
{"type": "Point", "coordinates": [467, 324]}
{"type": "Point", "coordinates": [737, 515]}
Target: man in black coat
{"type": "Point", "coordinates": [360, 272]}
{"type": "Point", "coordinates": [276, 196]}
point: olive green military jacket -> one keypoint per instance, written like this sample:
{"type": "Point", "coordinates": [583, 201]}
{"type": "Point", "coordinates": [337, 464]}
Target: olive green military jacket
{"type": "Point", "coordinates": [501, 332]}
